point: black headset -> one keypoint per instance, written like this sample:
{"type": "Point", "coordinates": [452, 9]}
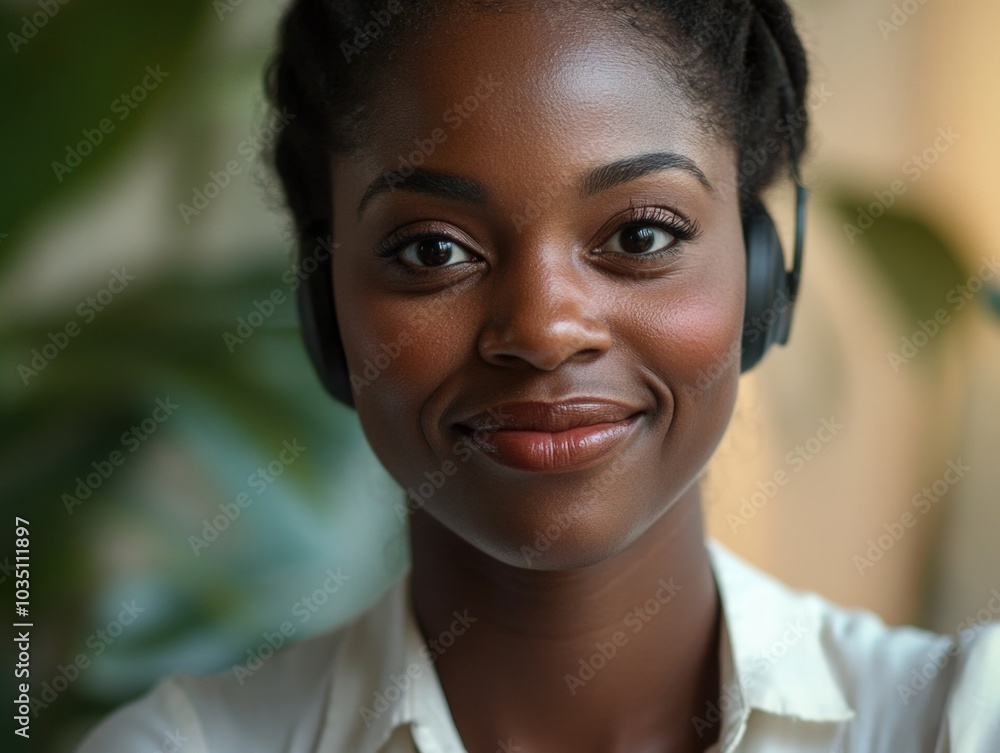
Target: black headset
{"type": "Point", "coordinates": [771, 289]}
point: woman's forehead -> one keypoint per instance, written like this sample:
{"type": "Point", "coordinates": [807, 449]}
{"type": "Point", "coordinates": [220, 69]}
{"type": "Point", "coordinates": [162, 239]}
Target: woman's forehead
{"type": "Point", "coordinates": [549, 63]}
{"type": "Point", "coordinates": [528, 89]}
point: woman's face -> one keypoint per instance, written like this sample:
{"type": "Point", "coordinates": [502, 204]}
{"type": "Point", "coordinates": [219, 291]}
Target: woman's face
{"type": "Point", "coordinates": [577, 239]}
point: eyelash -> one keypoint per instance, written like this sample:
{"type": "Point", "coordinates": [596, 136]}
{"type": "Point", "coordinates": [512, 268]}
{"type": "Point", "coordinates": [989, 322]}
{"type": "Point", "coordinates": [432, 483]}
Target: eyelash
{"type": "Point", "coordinates": [682, 229]}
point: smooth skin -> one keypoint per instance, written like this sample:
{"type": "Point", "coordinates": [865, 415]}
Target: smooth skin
{"type": "Point", "coordinates": [549, 563]}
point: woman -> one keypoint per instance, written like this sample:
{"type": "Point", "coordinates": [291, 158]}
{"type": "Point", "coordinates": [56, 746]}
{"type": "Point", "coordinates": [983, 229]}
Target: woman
{"type": "Point", "coordinates": [537, 302]}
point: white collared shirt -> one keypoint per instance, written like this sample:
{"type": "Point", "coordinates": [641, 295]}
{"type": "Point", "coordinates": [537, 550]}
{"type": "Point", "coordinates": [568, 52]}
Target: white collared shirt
{"type": "Point", "coordinates": [798, 674]}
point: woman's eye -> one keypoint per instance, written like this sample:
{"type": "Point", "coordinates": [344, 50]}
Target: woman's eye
{"type": "Point", "coordinates": [433, 252]}
{"type": "Point", "coordinates": [638, 240]}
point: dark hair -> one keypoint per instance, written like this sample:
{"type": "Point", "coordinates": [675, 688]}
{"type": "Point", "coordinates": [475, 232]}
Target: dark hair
{"type": "Point", "coordinates": [740, 62]}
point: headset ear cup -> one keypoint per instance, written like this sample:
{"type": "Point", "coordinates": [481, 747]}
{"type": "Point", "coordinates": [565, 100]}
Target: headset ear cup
{"type": "Point", "coordinates": [321, 332]}
{"type": "Point", "coordinates": [764, 322]}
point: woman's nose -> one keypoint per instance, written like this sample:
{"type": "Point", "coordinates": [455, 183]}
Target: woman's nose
{"type": "Point", "coordinates": [543, 312]}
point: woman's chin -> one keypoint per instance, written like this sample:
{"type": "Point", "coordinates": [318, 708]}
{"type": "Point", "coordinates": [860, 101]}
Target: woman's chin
{"type": "Point", "coordinates": [565, 539]}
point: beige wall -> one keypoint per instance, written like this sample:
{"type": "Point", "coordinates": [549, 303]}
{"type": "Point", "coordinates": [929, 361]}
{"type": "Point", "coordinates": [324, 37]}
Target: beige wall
{"type": "Point", "coordinates": [889, 97]}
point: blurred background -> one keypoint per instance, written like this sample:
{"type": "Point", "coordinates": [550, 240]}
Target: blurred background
{"type": "Point", "coordinates": [189, 486]}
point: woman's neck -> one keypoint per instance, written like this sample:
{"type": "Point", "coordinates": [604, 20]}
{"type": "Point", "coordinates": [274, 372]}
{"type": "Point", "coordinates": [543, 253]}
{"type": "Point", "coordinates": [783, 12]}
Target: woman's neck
{"type": "Point", "coordinates": [616, 656]}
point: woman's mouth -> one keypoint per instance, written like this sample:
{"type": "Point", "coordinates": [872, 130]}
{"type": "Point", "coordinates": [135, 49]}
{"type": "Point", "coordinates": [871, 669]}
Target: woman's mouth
{"type": "Point", "coordinates": [536, 436]}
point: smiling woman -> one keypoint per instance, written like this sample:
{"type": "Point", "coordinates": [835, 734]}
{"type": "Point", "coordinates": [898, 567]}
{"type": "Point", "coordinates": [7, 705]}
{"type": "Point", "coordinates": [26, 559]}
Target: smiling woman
{"type": "Point", "coordinates": [548, 385]}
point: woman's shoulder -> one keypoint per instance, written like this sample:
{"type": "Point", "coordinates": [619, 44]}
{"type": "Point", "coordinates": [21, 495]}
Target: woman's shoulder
{"type": "Point", "coordinates": [272, 701]}
{"type": "Point", "coordinates": [973, 711]}
{"type": "Point", "coordinates": [939, 692]}
{"type": "Point", "coordinates": [872, 657]}
{"type": "Point", "coordinates": [941, 689]}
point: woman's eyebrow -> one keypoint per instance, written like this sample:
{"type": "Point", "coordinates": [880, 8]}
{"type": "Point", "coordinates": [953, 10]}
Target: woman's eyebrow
{"type": "Point", "coordinates": [422, 180]}
{"type": "Point", "coordinates": [610, 175]}
{"type": "Point", "coordinates": [449, 186]}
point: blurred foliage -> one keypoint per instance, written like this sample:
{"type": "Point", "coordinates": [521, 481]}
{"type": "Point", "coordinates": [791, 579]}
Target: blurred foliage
{"type": "Point", "coordinates": [914, 260]}
{"type": "Point", "coordinates": [164, 337]}
{"type": "Point", "coordinates": [68, 75]}
{"type": "Point", "coordinates": [921, 270]}
{"type": "Point", "coordinates": [161, 337]}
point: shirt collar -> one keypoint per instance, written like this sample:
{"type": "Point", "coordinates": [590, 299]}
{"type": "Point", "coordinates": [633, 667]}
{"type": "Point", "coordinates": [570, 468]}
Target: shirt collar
{"type": "Point", "coordinates": [384, 679]}
{"type": "Point", "coordinates": [772, 659]}
{"type": "Point", "coordinates": [774, 638]}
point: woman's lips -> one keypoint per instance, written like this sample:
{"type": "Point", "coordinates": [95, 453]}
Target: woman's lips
{"type": "Point", "coordinates": [547, 437]}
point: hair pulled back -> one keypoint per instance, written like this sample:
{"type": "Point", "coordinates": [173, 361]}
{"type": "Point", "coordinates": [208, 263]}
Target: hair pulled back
{"type": "Point", "coordinates": [740, 62]}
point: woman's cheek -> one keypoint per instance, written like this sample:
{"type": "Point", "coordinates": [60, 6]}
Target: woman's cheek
{"type": "Point", "coordinates": [380, 349]}
{"type": "Point", "coordinates": [708, 331]}
{"type": "Point", "coordinates": [400, 352]}
{"type": "Point", "coordinates": [693, 331]}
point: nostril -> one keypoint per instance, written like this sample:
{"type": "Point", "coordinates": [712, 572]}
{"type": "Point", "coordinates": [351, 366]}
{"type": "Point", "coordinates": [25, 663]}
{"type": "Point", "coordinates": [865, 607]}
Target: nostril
{"type": "Point", "coordinates": [544, 339]}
